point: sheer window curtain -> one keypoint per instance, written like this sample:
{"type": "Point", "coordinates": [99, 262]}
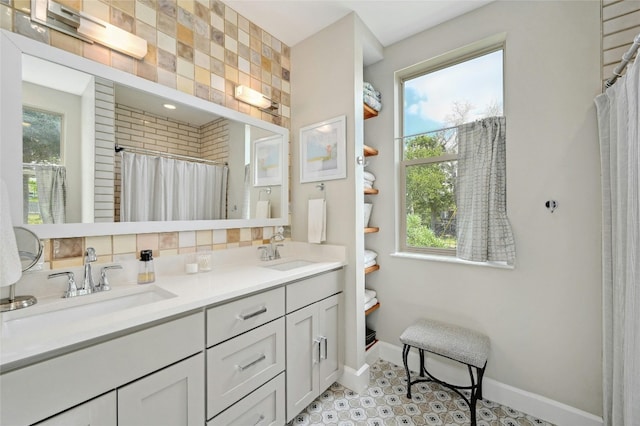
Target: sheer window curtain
{"type": "Point", "coordinates": [618, 117]}
{"type": "Point", "coordinates": [483, 229]}
{"type": "Point", "coordinates": [156, 188]}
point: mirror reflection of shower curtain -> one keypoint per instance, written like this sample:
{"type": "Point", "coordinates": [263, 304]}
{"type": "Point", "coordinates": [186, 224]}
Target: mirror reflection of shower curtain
{"type": "Point", "coordinates": [157, 188]}
{"type": "Point", "coordinates": [51, 182]}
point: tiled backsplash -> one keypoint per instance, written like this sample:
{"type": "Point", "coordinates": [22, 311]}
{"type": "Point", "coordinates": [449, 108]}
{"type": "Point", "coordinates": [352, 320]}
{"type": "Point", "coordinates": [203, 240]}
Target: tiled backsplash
{"type": "Point", "coordinates": [200, 47]}
{"type": "Point", "coordinates": [68, 252]}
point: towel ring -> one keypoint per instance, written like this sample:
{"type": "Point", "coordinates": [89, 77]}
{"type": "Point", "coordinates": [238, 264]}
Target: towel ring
{"type": "Point", "coordinates": [321, 187]}
{"type": "Point", "coordinates": [267, 190]}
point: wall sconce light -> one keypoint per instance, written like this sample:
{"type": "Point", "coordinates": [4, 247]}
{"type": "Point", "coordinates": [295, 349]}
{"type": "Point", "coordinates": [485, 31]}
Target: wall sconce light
{"type": "Point", "coordinates": [87, 28]}
{"type": "Point", "coordinates": [253, 97]}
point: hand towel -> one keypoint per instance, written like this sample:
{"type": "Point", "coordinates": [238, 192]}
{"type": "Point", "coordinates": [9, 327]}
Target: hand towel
{"type": "Point", "coordinates": [10, 265]}
{"type": "Point", "coordinates": [263, 209]}
{"type": "Point", "coordinates": [368, 295]}
{"type": "Point", "coordinates": [317, 222]}
{"type": "Point", "coordinates": [368, 176]}
{"type": "Point", "coordinates": [370, 263]}
{"type": "Point", "coordinates": [370, 304]}
{"type": "Point", "coordinates": [368, 184]}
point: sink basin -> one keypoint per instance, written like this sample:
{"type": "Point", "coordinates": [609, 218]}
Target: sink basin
{"type": "Point", "coordinates": [106, 303]}
{"type": "Point", "coordinates": [291, 264]}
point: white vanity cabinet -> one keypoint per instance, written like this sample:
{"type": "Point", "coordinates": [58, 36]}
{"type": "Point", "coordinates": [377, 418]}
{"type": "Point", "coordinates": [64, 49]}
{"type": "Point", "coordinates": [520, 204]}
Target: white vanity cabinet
{"type": "Point", "coordinates": [314, 349]}
{"type": "Point", "coordinates": [43, 389]}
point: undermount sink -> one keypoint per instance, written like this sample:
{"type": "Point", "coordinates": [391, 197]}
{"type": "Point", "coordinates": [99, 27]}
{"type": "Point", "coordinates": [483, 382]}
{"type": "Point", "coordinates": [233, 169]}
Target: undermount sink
{"type": "Point", "coordinates": [291, 264]}
{"type": "Point", "coordinates": [84, 310]}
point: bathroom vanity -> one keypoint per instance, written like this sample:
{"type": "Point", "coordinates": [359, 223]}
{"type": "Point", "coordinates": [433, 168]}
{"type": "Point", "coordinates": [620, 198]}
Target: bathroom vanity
{"type": "Point", "coordinates": [215, 348]}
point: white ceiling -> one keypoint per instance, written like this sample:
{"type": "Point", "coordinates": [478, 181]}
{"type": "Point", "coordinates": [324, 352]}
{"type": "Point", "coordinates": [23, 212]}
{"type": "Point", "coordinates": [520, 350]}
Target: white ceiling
{"type": "Point", "coordinates": [292, 21]}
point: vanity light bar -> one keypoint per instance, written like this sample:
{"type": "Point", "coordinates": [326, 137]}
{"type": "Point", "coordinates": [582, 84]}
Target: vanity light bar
{"type": "Point", "coordinates": [253, 97]}
{"type": "Point", "coordinates": [87, 28]}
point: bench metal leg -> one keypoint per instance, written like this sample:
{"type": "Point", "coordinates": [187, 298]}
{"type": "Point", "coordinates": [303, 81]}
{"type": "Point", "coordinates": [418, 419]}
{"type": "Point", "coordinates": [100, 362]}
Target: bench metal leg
{"type": "Point", "coordinates": [475, 388]}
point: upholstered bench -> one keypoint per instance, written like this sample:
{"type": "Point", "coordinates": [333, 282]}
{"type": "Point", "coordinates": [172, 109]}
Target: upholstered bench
{"type": "Point", "coordinates": [457, 343]}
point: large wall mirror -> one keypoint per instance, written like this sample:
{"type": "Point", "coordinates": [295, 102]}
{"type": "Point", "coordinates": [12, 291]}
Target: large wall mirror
{"type": "Point", "coordinates": [90, 150]}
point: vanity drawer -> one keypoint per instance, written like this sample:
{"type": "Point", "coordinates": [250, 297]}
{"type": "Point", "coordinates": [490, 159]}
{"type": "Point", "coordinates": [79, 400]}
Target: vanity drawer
{"type": "Point", "coordinates": [240, 365]}
{"type": "Point", "coordinates": [229, 320]}
{"type": "Point", "coordinates": [264, 407]}
{"type": "Point", "coordinates": [310, 290]}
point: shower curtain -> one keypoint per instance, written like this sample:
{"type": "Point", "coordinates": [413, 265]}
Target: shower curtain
{"type": "Point", "coordinates": [157, 188]}
{"type": "Point", "coordinates": [618, 117]}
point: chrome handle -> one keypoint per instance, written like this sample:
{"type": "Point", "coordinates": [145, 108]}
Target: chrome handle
{"type": "Point", "coordinates": [314, 343]}
{"type": "Point", "coordinates": [255, 361]}
{"type": "Point", "coordinates": [244, 317]}
{"type": "Point", "coordinates": [326, 350]}
{"type": "Point", "coordinates": [103, 284]}
{"type": "Point", "coordinates": [260, 419]}
{"type": "Point", "coordinates": [72, 290]}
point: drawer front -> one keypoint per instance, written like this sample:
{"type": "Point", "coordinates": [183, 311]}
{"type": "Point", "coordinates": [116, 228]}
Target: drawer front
{"type": "Point", "coordinates": [242, 364]}
{"type": "Point", "coordinates": [310, 290]}
{"type": "Point", "coordinates": [229, 320]}
{"type": "Point", "coordinates": [264, 407]}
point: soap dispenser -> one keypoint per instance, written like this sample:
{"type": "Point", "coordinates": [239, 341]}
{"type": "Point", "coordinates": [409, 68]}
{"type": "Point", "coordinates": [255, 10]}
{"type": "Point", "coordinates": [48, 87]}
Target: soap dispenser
{"type": "Point", "coordinates": [146, 272]}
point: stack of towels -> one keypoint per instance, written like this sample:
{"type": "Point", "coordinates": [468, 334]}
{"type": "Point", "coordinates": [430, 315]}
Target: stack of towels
{"type": "Point", "coordinates": [369, 179]}
{"type": "Point", "coordinates": [372, 97]}
{"type": "Point", "coordinates": [369, 258]}
{"type": "Point", "coordinates": [370, 299]}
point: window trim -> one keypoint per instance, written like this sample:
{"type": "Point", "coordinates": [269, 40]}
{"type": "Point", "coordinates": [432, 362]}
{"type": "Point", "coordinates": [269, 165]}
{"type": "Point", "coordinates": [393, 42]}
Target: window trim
{"type": "Point", "coordinates": [465, 53]}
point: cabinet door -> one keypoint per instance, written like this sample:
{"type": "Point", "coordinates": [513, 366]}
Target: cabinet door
{"type": "Point", "coordinates": [329, 324]}
{"type": "Point", "coordinates": [100, 411]}
{"type": "Point", "coordinates": [302, 359]}
{"type": "Point", "coordinates": [172, 396]}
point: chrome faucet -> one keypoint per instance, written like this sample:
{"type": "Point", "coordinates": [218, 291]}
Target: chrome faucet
{"type": "Point", "coordinates": [271, 252]}
{"type": "Point", "coordinates": [87, 282]}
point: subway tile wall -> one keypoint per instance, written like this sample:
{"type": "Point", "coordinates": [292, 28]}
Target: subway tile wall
{"type": "Point", "coordinates": [200, 47]}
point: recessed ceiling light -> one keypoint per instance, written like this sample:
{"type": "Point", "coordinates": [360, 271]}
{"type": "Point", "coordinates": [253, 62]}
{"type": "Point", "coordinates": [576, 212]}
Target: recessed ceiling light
{"type": "Point", "coordinates": [169, 106]}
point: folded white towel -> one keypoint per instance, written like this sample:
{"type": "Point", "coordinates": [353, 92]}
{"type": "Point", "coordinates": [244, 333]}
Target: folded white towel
{"type": "Point", "coordinates": [263, 209]}
{"type": "Point", "coordinates": [369, 176]}
{"type": "Point", "coordinates": [370, 263]}
{"type": "Point", "coordinates": [10, 265]}
{"type": "Point", "coordinates": [370, 304]}
{"type": "Point", "coordinates": [317, 222]}
{"type": "Point", "coordinates": [368, 295]}
{"type": "Point", "coordinates": [368, 184]}
{"type": "Point", "coordinates": [369, 255]}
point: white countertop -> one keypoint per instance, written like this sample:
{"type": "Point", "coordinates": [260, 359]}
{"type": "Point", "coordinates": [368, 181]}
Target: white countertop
{"type": "Point", "coordinates": [236, 273]}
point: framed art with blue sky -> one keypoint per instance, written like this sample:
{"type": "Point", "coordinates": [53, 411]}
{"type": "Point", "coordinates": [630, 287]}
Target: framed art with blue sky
{"type": "Point", "coordinates": [268, 161]}
{"type": "Point", "coordinates": [323, 150]}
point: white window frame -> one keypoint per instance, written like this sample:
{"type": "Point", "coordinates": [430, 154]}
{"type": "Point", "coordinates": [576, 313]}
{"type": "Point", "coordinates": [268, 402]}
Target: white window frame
{"type": "Point", "coordinates": [451, 58]}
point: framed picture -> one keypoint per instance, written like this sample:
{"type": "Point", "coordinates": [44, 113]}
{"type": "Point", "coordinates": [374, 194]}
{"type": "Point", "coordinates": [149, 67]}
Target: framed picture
{"type": "Point", "coordinates": [323, 151]}
{"type": "Point", "coordinates": [267, 161]}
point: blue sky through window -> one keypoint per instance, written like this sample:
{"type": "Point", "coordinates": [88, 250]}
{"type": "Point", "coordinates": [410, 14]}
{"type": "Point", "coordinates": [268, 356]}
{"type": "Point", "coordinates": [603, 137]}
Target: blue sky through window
{"type": "Point", "coordinates": [430, 99]}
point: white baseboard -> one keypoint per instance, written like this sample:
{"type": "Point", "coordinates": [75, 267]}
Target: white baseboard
{"type": "Point", "coordinates": [518, 399]}
{"type": "Point", "coordinates": [357, 381]}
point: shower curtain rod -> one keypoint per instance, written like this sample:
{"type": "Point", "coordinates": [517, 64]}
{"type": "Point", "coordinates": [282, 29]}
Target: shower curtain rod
{"type": "Point", "coordinates": [617, 72]}
{"type": "Point", "coordinates": [119, 148]}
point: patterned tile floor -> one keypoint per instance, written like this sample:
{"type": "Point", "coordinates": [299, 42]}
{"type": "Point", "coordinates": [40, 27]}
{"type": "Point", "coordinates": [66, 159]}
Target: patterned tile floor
{"type": "Point", "coordinates": [385, 402]}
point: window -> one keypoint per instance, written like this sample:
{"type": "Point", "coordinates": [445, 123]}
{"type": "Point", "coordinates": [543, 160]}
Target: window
{"type": "Point", "coordinates": [435, 102]}
{"type": "Point", "coordinates": [41, 147]}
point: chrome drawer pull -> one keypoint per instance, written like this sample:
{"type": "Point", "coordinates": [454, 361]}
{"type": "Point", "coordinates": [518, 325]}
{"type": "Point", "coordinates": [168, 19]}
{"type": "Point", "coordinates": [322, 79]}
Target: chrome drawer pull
{"type": "Point", "coordinates": [255, 361]}
{"type": "Point", "coordinates": [260, 419]}
{"type": "Point", "coordinates": [326, 351]}
{"type": "Point", "coordinates": [253, 314]}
